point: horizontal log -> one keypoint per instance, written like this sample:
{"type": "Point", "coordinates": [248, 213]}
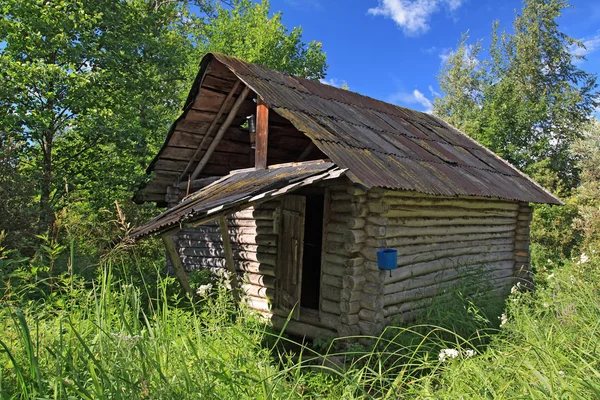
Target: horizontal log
{"type": "Point", "coordinates": [405, 211]}
{"type": "Point", "coordinates": [330, 292]}
{"type": "Point", "coordinates": [253, 248]}
{"type": "Point", "coordinates": [334, 258]}
{"type": "Point", "coordinates": [442, 254]}
{"type": "Point", "coordinates": [355, 236]}
{"type": "Point", "coordinates": [353, 247]}
{"type": "Point", "coordinates": [463, 203]}
{"type": "Point", "coordinates": [337, 248]}
{"type": "Point", "coordinates": [259, 280]}
{"type": "Point", "coordinates": [355, 223]}
{"type": "Point", "coordinates": [190, 263]}
{"type": "Point", "coordinates": [258, 303]}
{"type": "Point", "coordinates": [371, 254]}
{"type": "Point", "coordinates": [266, 240]}
{"type": "Point", "coordinates": [334, 269]}
{"type": "Point", "coordinates": [458, 237]}
{"type": "Point", "coordinates": [418, 269]}
{"type": "Point", "coordinates": [332, 307]}
{"type": "Point", "coordinates": [349, 295]}
{"type": "Point", "coordinates": [390, 232]}
{"type": "Point", "coordinates": [354, 262]}
{"type": "Point", "coordinates": [447, 275]}
{"type": "Point", "coordinates": [370, 315]}
{"type": "Point", "coordinates": [429, 221]}
{"type": "Point", "coordinates": [353, 283]}
{"type": "Point", "coordinates": [329, 320]}
{"type": "Point", "coordinates": [356, 191]}
{"type": "Point", "coordinates": [331, 280]}
{"type": "Point", "coordinates": [250, 213]}
{"type": "Point", "coordinates": [335, 237]}
{"type": "Point", "coordinates": [349, 307]}
{"type": "Point", "coordinates": [340, 196]}
{"type": "Point", "coordinates": [301, 329]}
{"type": "Point", "coordinates": [370, 328]}
{"type": "Point", "coordinates": [349, 319]}
{"type": "Point", "coordinates": [371, 301]}
{"type": "Point", "coordinates": [430, 290]}
{"type": "Point", "coordinates": [258, 291]}
{"type": "Point", "coordinates": [270, 259]}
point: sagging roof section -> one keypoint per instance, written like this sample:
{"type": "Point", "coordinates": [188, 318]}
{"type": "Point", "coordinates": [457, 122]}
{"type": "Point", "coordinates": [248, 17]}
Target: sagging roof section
{"type": "Point", "coordinates": [236, 191]}
{"type": "Point", "coordinates": [380, 144]}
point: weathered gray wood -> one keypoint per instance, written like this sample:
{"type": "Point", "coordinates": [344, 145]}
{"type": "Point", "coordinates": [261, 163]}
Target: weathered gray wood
{"type": "Point", "coordinates": [445, 263]}
{"type": "Point", "coordinates": [289, 262]}
{"type": "Point", "coordinates": [441, 254]}
{"type": "Point", "coordinates": [212, 126]}
{"type": "Point", "coordinates": [213, 145]}
{"type": "Point", "coordinates": [392, 231]}
{"type": "Point", "coordinates": [235, 286]}
{"type": "Point", "coordinates": [176, 262]}
{"type": "Point", "coordinates": [409, 241]}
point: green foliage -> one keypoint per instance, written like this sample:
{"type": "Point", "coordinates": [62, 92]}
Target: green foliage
{"type": "Point", "coordinates": [246, 31]}
{"type": "Point", "coordinates": [529, 100]}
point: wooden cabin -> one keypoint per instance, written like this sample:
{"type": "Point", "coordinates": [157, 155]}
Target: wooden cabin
{"type": "Point", "coordinates": [296, 186]}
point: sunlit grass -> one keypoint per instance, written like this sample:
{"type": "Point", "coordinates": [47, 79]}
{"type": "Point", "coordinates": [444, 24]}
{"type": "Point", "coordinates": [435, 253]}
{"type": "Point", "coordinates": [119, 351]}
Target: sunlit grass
{"type": "Point", "coordinates": [112, 339]}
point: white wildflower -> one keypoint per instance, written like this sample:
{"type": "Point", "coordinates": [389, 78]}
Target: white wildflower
{"type": "Point", "coordinates": [551, 276]}
{"type": "Point", "coordinates": [561, 373]}
{"type": "Point", "coordinates": [447, 353]}
{"type": "Point", "coordinates": [503, 319]}
{"type": "Point", "coordinates": [469, 353]}
{"type": "Point", "coordinates": [515, 288]}
{"type": "Point", "coordinates": [203, 290]}
{"type": "Point", "coordinates": [583, 259]}
{"type": "Point", "coordinates": [572, 278]}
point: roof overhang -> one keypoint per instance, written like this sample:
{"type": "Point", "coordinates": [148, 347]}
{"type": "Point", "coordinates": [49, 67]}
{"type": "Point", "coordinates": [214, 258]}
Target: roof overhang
{"type": "Point", "coordinates": [236, 191]}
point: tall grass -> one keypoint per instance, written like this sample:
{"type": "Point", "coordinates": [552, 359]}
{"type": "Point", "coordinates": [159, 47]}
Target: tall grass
{"type": "Point", "coordinates": [111, 339]}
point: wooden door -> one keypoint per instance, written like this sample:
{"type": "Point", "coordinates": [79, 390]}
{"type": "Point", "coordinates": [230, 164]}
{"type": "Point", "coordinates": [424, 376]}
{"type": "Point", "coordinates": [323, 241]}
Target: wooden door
{"type": "Point", "coordinates": [288, 272]}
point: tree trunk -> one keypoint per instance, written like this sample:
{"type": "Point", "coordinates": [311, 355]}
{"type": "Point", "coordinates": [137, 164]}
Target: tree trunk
{"type": "Point", "coordinates": [47, 217]}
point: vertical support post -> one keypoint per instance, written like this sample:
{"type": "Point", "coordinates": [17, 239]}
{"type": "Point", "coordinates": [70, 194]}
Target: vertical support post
{"type": "Point", "coordinates": [229, 259]}
{"type": "Point", "coordinates": [262, 134]}
{"type": "Point", "coordinates": [177, 265]}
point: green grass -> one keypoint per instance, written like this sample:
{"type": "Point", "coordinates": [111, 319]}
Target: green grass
{"type": "Point", "coordinates": [109, 338]}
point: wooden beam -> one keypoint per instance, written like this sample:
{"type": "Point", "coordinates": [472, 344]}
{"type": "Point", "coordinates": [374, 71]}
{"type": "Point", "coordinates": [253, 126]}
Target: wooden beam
{"type": "Point", "coordinates": [176, 261]}
{"type": "Point", "coordinates": [306, 151]}
{"type": "Point", "coordinates": [221, 132]}
{"type": "Point", "coordinates": [262, 134]}
{"type": "Point", "coordinates": [235, 287]}
{"type": "Point", "coordinates": [212, 126]}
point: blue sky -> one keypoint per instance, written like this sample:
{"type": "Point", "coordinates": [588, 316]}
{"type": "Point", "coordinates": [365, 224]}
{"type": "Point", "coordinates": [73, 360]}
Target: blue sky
{"type": "Point", "coordinates": [392, 49]}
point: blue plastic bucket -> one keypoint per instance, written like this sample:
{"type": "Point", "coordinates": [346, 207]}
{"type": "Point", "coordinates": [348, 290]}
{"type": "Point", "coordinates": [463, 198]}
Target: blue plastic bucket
{"type": "Point", "coordinates": [387, 259]}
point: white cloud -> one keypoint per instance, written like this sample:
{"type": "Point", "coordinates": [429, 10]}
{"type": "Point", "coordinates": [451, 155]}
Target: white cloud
{"type": "Point", "coordinates": [590, 43]}
{"type": "Point", "coordinates": [333, 82]}
{"type": "Point", "coordinates": [412, 98]}
{"type": "Point", "coordinates": [412, 15]}
{"type": "Point", "coordinates": [434, 93]}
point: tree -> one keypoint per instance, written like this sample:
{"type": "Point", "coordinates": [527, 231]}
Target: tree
{"type": "Point", "coordinates": [529, 100]}
{"type": "Point", "coordinates": [89, 88]}
{"type": "Point", "coordinates": [82, 79]}
{"type": "Point", "coordinates": [245, 31]}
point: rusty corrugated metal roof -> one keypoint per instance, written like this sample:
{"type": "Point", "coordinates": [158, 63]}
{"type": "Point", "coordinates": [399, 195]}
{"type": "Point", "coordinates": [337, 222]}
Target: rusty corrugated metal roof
{"type": "Point", "coordinates": [238, 190]}
{"type": "Point", "coordinates": [384, 145]}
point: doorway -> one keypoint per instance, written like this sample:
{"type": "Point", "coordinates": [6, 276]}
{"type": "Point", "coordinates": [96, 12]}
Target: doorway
{"type": "Point", "coordinates": [312, 250]}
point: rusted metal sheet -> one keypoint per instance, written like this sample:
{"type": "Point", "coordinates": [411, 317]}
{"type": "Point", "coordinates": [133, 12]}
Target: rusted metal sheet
{"type": "Point", "coordinates": [238, 190]}
{"type": "Point", "coordinates": [385, 145]}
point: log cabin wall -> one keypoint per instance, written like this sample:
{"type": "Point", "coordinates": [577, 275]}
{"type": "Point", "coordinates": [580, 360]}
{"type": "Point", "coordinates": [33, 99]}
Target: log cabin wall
{"type": "Point", "coordinates": [254, 245]}
{"type": "Point", "coordinates": [442, 243]}
{"type": "Point", "coordinates": [342, 278]}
